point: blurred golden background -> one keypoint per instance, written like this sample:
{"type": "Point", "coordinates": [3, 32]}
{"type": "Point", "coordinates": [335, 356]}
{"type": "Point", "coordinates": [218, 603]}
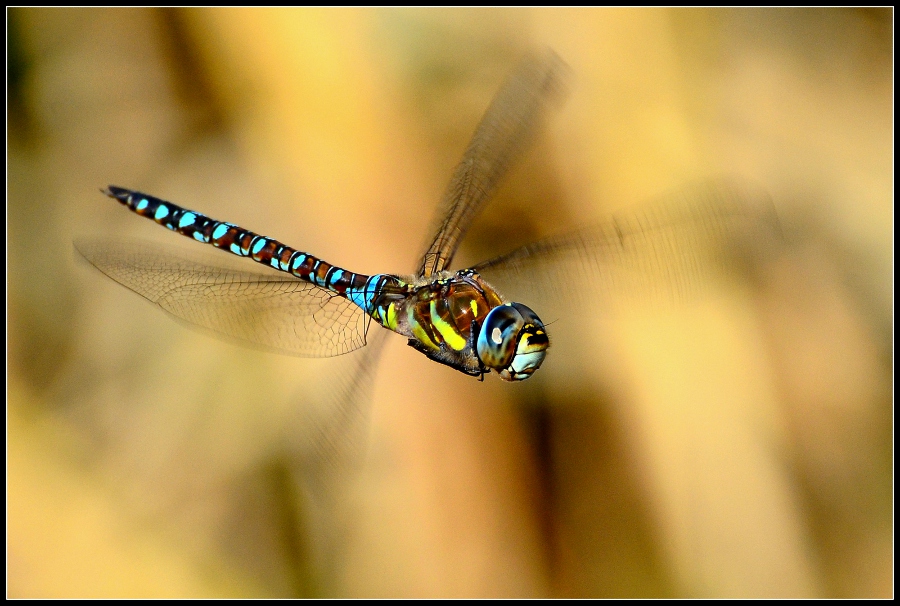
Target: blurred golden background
{"type": "Point", "coordinates": [740, 446]}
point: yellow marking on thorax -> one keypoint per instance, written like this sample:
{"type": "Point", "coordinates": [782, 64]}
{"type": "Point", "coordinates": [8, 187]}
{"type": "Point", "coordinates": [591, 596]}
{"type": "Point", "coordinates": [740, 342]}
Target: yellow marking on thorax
{"type": "Point", "coordinates": [391, 320]}
{"type": "Point", "coordinates": [419, 332]}
{"type": "Point", "coordinates": [448, 331]}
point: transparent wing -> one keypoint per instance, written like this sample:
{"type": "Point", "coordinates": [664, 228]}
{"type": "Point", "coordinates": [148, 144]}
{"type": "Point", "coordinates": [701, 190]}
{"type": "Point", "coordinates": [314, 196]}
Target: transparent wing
{"type": "Point", "coordinates": [666, 251]}
{"type": "Point", "coordinates": [504, 132]}
{"type": "Point", "coordinates": [267, 309]}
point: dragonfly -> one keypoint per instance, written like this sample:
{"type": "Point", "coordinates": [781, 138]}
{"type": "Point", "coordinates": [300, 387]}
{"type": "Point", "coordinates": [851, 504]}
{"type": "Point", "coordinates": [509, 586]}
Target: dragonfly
{"type": "Point", "coordinates": [294, 302]}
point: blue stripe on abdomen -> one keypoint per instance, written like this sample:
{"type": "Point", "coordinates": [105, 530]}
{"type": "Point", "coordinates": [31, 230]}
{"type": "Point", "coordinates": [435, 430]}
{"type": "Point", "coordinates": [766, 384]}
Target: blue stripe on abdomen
{"type": "Point", "coordinates": [364, 297]}
{"type": "Point", "coordinates": [243, 243]}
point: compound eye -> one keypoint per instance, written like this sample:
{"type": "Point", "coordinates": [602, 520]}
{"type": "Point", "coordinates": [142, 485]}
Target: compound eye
{"type": "Point", "coordinates": [512, 341]}
{"type": "Point", "coordinates": [531, 347]}
{"type": "Point", "coordinates": [496, 344]}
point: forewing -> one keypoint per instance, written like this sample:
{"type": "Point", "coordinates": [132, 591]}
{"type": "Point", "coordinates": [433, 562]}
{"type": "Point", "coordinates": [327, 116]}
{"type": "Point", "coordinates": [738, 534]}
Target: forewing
{"type": "Point", "coordinates": [505, 131]}
{"type": "Point", "coordinates": [269, 310]}
{"type": "Point", "coordinates": [666, 251]}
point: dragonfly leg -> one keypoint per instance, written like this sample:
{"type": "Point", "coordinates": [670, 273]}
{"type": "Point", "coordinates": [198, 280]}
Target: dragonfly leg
{"type": "Point", "coordinates": [434, 356]}
{"type": "Point", "coordinates": [482, 369]}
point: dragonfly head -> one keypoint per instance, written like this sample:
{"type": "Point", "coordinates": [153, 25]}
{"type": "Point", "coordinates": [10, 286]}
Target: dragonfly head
{"type": "Point", "coordinates": [512, 341]}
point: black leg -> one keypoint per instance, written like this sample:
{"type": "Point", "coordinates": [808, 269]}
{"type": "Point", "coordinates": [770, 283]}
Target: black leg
{"type": "Point", "coordinates": [431, 355]}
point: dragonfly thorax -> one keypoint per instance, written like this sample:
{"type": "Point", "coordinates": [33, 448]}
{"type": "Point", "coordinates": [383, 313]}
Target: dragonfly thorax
{"type": "Point", "coordinates": [461, 321]}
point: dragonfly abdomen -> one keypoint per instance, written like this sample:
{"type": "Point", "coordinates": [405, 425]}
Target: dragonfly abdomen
{"type": "Point", "coordinates": [358, 288]}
